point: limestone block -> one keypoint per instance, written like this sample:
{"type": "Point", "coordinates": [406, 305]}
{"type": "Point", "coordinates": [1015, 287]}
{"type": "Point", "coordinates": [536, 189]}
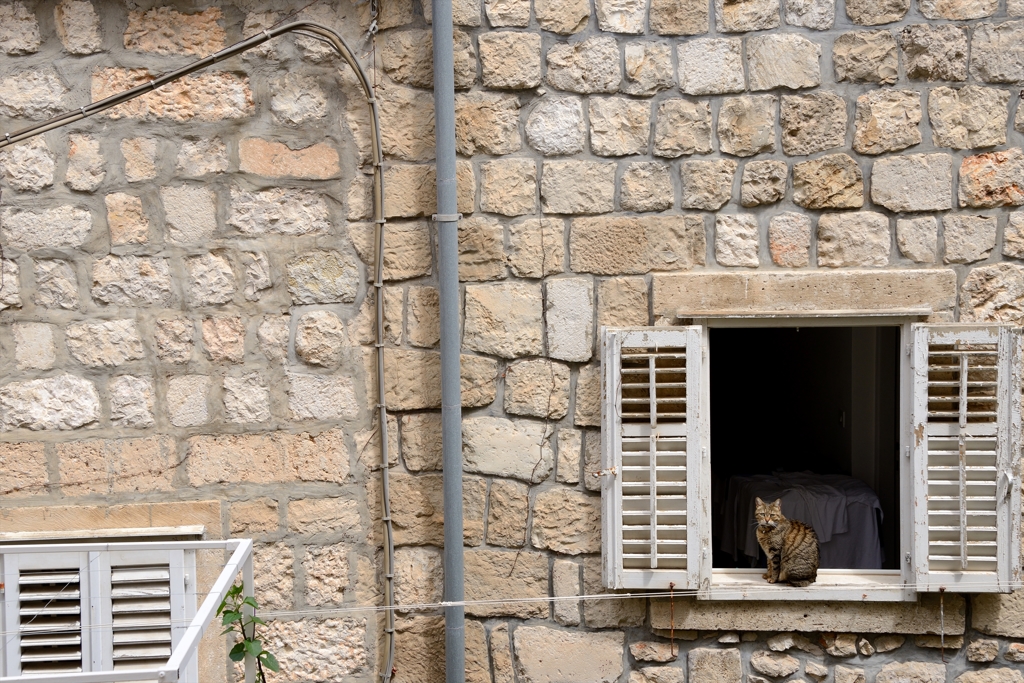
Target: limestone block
{"type": "Point", "coordinates": [815, 14]}
{"type": "Point", "coordinates": [933, 641]}
{"type": "Point", "coordinates": [507, 12]}
{"type": "Point", "coordinates": [334, 647]}
{"type": "Point", "coordinates": [589, 66]}
{"type": "Point", "coordinates": [887, 121]}
{"type": "Point", "coordinates": [497, 446]}
{"type": "Point", "coordinates": [707, 184]}
{"type": "Point", "coordinates": [1003, 675]}
{"type": "Point", "coordinates": [621, 16]}
{"type": "Point", "coordinates": [968, 9]}
{"type": "Point", "coordinates": [763, 182]}
{"type": "Point", "coordinates": [78, 27]}
{"type": "Point", "coordinates": [272, 336]}
{"type": "Point", "coordinates": [126, 220]}
{"type": "Point", "coordinates": [508, 508]}
{"type": "Point", "coordinates": [262, 458]}
{"type": "Point", "coordinates": [646, 186]}
{"type": "Point", "coordinates": [187, 400]}
{"type": "Point", "coordinates": [622, 302]}
{"type": "Point", "coordinates": [919, 672]}
{"type": "Point", "coordinates": [407, 123]}
{"type": "Point", "coordinates": [918, 238]}
{"type": "Point", "coordinates": [326, 569]}
{"type": "Point", "coordinates": [1013, 236]}
{"type": "Point", "coordinates": [33, 346]}
{"type": "Point", "coordinates": [968, 238]}
{"type": "Point", "coordinates": [85, 163]}
{"type": "Point", "coordinates": [164, 31]}
{"type": "Point", "coordinates": [321, 397]}
{"type": "Point", "coordinates": [562, 16]}
{"type": "Point", "coordinates": [915, 182]}
{"type": "Point", "coordinates": [813, 122]}
{"type": "Point", "coordinates": [320, 517]}
{"type": "Point", "coordinates": [570, 443]}
{"type": "Point", "coordinates": [58, 402]}
{"type": "Point", "coordinates": [406, 248]}
{"type": "Point", "coordinates": [23, 468]}
{"type": "Point", "coordinates": [104, 344]}
{"type": "Point", "coordinates": [555, 126]}
{"type": "Point", "coordinates": [419, 576]}
{"type": "Point", "coordinates": [816, 671]}
{"type": "Point", "coordinates": [866, 57]}
{"type": "Point", "coordinates": [566, 521]}
{"type": "Point", "coordinates": [190, 213]}
{"type": "Point", "coordinates": [747, 15]}
{"type": "Point", "coordinates": [682, 127]}
{"type": "Point", "coordinates": [421, 441]}
{"type": "Point", "coordinates": [536, 247]}
{"type": "Point", "coordinates": [849, 674]}
{"type": "Point", "coordinates": [678, 17]}
{"type": "Point", "coordinates": [970, 117]}
{"type": "Point", "coordinates": [481, 249]}
{"type": "Point", "coordinates": [131, 401]}
{"type": "Point", "coordinates": [569, 318]}
{"type": "Point", "coordinates": [853, 239]}
{"type": "Point", "coordinates": [495, 574]}
{"type": "Point", "coordinates": [198, 158]}
{"type": "Point", "coordinates": [874, 12]}
{"type": "Point", "coordinates": [774, 664]}
{"type": "Point", "coordinates": [736, 240]}
{"type": "Point", "coordinates": [61, 227]}
{"type": "Point", "coordinates": [173, 337]}
{"type": "Point", "coordinates": [414, 379]}
{"type": "Point", "coordinates": [508, 186]}
{"type": "Point", "coordinates": [407, 57]}
{"type": "Point", "coordinates": [1018, 120]}
{"type": "Point", "coordinates": [538, 388]}
{"type": "Point", "coordinates": [257, 274]}
{"type": "Point", "coordinates": [577, 187]}
{"type": "Point", "coordinates": [746, 125]}
{"type": "Point", "coordinates": [1014, 8]}
{"type": "Point", "coordinates": [1014, 653]}
{"type": "Point", "coordinates": [503, 319]}
{"type": "Point", "coordinates": [276, 160]}
{"type": "Point", "coordinates": [783, 60]}
{"type": "Point", "coordinates": [486, 123]}
{"type": "Point", "coordinates": [208, 96]}
{"type": "Point", "coordinates": [592, 460]}
{"type": "Point", "coordinates": [297, 99]}
{"type": "Point", "coordinates": [648, 68]}
{"type": "Point", "coordinates": [28, 166]}
{"type": "Point", "coordinates": [832, 181]}
{"type": "Point", "coordinates": [510, 60]}
{"type": "Point", "coordinates": [993, 293]}
{"type": "Point", "coordinates": [993, 179]}
{"type": "Point", "coordinates": [662, 674]}
{"type": "Point", "coordinates": [706, 665]}
{"type": "Point", "coordinates": [888, 643]}
{"type": "Point", "coordinates": [935, 53]}
{"type": "Point", "coordinates": [501, 654]}
{"type": "Point", "coordinates": [997, 52]}
{"type": "Point", "coordinates": [10, 288]}
{"type": "Point", "coordinates": [619, 126]}
{"type": "Point", "coordinates": [56, 284]}
{"type": "Point", "coordinates": [211, 279]}
{"type": "Point", "coordinates": [982, 650]}
{"type": "Point", "coordinates": [320, 338]}
{"type": "Point", "coordinates": [20, 32]}
{"type": "Point", "coordinates": [651, 651]}
{"type": "Point", "coordinates": [139, 159]}
{"type": "Point", "coordinates": [547, 655]}
{"type": "Point", "coordinates": [246, 399]}
{"type": "Point", "coordinates": [131, 280]}
{"type": "Point", "coordinates": [612, 245]}
{"type": "Point", "coordinates": [104, 466]}
{"type": "Point", "coordinates": [323, 276]}
{"type": "Point", "coordinates": [710, 66]}
{"type": "Point", "coordinates": [565, 583]}
{"type": "Point", "coordinates": [588, 397]}
{"type": "Point", "coordinates": [33, 94]}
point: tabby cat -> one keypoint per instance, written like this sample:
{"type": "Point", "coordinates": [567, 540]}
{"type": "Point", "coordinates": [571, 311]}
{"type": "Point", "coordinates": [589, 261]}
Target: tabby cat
{"type": "Point", "coordinates": [791, 545]}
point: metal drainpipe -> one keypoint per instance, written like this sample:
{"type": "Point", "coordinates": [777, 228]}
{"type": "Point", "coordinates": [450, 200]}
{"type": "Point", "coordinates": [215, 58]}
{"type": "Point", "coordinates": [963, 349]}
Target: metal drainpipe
{"type": "Point", "coordinates": [447, 220]}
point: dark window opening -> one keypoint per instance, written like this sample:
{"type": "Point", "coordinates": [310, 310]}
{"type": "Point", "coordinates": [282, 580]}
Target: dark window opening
{"type": "Point", "coordinates": [810, 414]}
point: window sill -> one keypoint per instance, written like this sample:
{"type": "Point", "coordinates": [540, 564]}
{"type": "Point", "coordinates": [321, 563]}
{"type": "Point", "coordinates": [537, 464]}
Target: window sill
{"type": "Point", "coordinates": [832, 584]}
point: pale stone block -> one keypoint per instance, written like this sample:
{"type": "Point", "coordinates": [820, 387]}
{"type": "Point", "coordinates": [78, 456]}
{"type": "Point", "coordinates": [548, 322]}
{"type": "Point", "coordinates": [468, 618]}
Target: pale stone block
{"type": "Point", "coordinates": [570, 443]}
{"type": "Point", "coordinates": [774, 664]}
{"type": "Point", "coordinates": [508, 186]}
{"type": "Point", "coordinates": [481, 249]}
{"type": "Point", "coordinates": [266, 457]}
{"type": "Point", "coordinates": [621, 16]}
{"type": "Point", "coordinates": [246, 399]}
{"type": "Point", "coordinates": [198, 158]}
{"type": "Point", "coordinates": [272, 336]}
{"type": "Point", "coordinates": [970, 117]}
{"type": "Point", "coordinates": [297, 99]}
{"type": "Point", "coordinates": [652, 651]}
{"type": "Point", "coordinates": [853, 239]}
{"type": "Point", "coordinates": [335, 647]}
{"type": "Point", "coordinates": [423, 317]}
{"type": "Point", "coordinates": [816, 671]}
{"type": "Point", "coordinates": [748, 15]}
{"type": "Point", "coordinates": [612, 245]}
{"type": "Point", "coordinates": [678, 17]}
{"type": "Point", "coordinates": [486, 123]}
{"type": "Point", "coordinates": [992, 179]}
{"type": "Point", "coordinates": [536, 247]}
{"type": "Point", "coordinates": [29, 166]}
{"type": "Point", "coordinates": [504, 319]}
{"type": "Point", "coordinates": [588, 397]}
{"type": "Point", "coordinates": [186, 400]}
{"type": "Point", "coordinates": [933, 641]}
{"type": "Point", "coordinates": [966, 9]}
{"type": "Point", "coordinates": [131, 401]}
{"type": "Point", "coordinates": [874, 12]}
{"type": "Point", "coordinates": [562, 16]}
{"type": "Point", "coordinates": [831, 181]}
{"type": "Point", "coordinates": [577, 187]}
{"type": "Point", "coordinates": [211, 279]}
{"type": "Point", "coordinates": [1014, 653]}
{"type": "Point", "coordinates": [555, 126]}
{"type": "Point", "coordinates": [918, 238]}
{"type": "Point", "coordinates": [104, 344]}
{"type": "Point", "coordinates": [407, 123]}
{"type": "Point", "coordinates": [126, 220]}
{"type": "Point", "coordinates": [58, 402]}
{"type": "Point", "coordinates": [276, 160]}
{"type": "Point", "coordinates": [589, 66]}
{"type": "Point", "coordinates": [784, 60]}
{"type": "Point", "coordinates": [619, 126]}
{"type": "Point", "coordinates": [592, 460]}
{"type": "Point", "coordinates": [819, 15]}
{"type": "Point", "coordinates": [565, 583]}
{"type": "Point", "coordinates": [887, 121]}
{"type": "Point", "coordinates": [648, 68]}
{"type": "Point", "coordinates": [982, 650]}
{"type": "Point", "coordinates": [935, 53]}
{"type": "Point", "coordinates": [139, 159]}
{"type": "Point", "coordinates": [993, 293]}
{"type": "Point", "coordinates": [78, 27]}
{"type": "Point", "coordinates": [707, 184]}
{"type": "Point", "coordinates": [566, 521]}
{"type": "Point", "coordinates": [165, 31]}
{"type": "Point", "coordinates": [1003, 675]}
{"type": "Point", "coordinates": [746, 125]}
{"type": "Point", "coordinates": [920, 672]}
{"type": "Point", "coordinates": [622, 302]}
{"type": "Point", "coordinates": [105, 466]}
{"type": "Point", "coordinates": [414, 379]}
{"type": "Point", "coordinates": [682, 127]}
{"type": "Point", "coordinates": [406, 248]}
{"type": "Point", "coordinates": [190, 213]}
{"type": "Point", "coordinates": [889, 643]}
{"type": "Point", "coordinates": [33, 94]}
{"type": "Point", "coordinates": [85, 164]}
{"type": "Point", "coordinates": [28, 230]}
{"type": "Point", "coordinates": [56, 284]}
{"type": "Point", "coordinates": [608, 612]}
{"type": "Point", "coordinates": [501, 654]}
{"type": "Point", "coordinates": [848, 674]}
{"type": "Point", "coordinates": [538, 388]}
{"type": "Point", "coordinates": [33, 346]}
{"type": "Point", "coordinates": [323, 276]}
{"type": "Point", "coordinates": [548, 655]}
{"type": "Point", "coordinates": [866, 57]}
{"type": "Point", "coordinates": [736, 240]}
{"type": "Point", "coordinates": [313, 517]}
{"type": "Point", "coordinates": [994, 614]}
{"type": "Point", "coordinates": [419, 576]}
{"type": "Point", "coordinates": [968, 238]}
{"type": "Point", "coordinates": [495, 574]}
{"type": "Point", "coordinates": [569, 316]}
{"type": "Point", "coordinates": [915, 182]}
{"type": "Point", "coordinates": [500, 447]}
{"type": "Point", "coordinates": [510, 60]}
{"type": "Point", "coordinates": [646, 186]}
{"type": "Point", "coordinates": [321, 397]}
{"type": "Point", "coordinates": [997, 52]}
{"type": "Point", "coordinates": [509, 506]}
{"type": "Point", "coordinates": [763, 182]}
{"type": "Point", "coordinates": [1013, 236]}
{"type": "Point", "coordinates": [813, 122]}
{"type": "Point", "coordinates": [19, 34]}
{"type": "Point", "coordinates": [407, 57]}
{"type": "Point", "coordinates": [507, 12]}
{"type": "Point", "coordinates": [254, 517]}
{"type": "Point", "coordinates": [326, 569]}
{"type": "Point", "coordinates": [710, 66]}
{"type": "Point", "coordinates": [10, 287]}
{"type": "Point", "coordinates": [173, 339]}
{"type": "Point", "coordinates": [257, 274]}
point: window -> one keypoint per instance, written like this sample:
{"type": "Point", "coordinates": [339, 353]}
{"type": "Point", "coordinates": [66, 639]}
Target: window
{"type": "Point", "coordinates": [937, 408]}
{"type": "Point", "coordinates": [72, 612]}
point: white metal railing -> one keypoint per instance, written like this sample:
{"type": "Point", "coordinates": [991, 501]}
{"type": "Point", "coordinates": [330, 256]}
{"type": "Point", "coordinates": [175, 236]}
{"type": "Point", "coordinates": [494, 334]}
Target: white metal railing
{"type": "Point", "coordinates": [173, 670]}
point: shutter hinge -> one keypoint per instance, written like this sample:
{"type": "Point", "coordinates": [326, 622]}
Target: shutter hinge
{"type": "Point", "coordinates": [610, 472]}
{"type": "Point", "coordinates": [907, 349]}
{"type": "Point", "coordinates": [906, 558]}
{"type": "Point", "coordinates": [906, 452]}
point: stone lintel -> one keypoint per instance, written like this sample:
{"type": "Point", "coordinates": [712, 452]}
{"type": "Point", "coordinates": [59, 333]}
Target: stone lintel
{"type": "Point", "coordinates": [132, 516]}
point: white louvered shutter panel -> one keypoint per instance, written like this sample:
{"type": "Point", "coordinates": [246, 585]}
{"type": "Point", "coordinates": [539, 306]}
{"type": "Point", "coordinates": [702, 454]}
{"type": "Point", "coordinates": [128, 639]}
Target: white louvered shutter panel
{"type": "Point", "coordinates": [140, 598]}
{"type": "Point", "coordinates": [966, 436]}
{"type": "Point", "coordinates": [50, 611]}
{"type": "Point", "coordinates": [651, 457]}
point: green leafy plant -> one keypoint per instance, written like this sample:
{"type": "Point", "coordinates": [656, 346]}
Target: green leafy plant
{"type": "Point", "coordinates": [235, 620]}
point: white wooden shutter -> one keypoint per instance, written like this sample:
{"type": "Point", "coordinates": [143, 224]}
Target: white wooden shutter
{"type": "Point", "coordinates": [966, 445]}
{"type": "Point", "coordinates": [651, 454]}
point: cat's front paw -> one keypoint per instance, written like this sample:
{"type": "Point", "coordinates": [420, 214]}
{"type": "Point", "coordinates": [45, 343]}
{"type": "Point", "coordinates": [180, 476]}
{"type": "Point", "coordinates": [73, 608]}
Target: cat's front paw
{"type": "Point", "coordinates": [765, 575]}
{"type": "Point", "coordinates": [770, 579]}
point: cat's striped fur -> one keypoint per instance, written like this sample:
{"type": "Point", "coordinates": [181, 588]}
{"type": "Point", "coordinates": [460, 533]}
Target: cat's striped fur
{"type": "Point", "coordinates": [791, 545]}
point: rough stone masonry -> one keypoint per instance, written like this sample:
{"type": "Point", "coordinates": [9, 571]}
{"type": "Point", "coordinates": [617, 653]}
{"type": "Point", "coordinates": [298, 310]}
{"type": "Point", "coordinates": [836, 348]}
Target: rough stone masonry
{"type": "Point", "coordinates": [187, 334]}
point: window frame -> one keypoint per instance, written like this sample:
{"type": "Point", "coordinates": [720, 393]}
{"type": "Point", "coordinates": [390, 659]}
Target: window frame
{"type": "Point", "coordinates": [897, 585]}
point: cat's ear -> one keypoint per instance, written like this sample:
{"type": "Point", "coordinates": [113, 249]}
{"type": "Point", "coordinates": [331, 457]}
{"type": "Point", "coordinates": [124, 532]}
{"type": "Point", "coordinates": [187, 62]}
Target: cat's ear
{"type": "Point", "coordinates": [777, 504]}
{"type": "Point", "coordinates": [759, 502]}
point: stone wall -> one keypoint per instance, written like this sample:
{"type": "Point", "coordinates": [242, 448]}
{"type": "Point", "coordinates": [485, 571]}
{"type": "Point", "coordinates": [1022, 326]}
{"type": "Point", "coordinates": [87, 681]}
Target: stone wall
{"type": "Point", "coordinates": [187, 332]}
